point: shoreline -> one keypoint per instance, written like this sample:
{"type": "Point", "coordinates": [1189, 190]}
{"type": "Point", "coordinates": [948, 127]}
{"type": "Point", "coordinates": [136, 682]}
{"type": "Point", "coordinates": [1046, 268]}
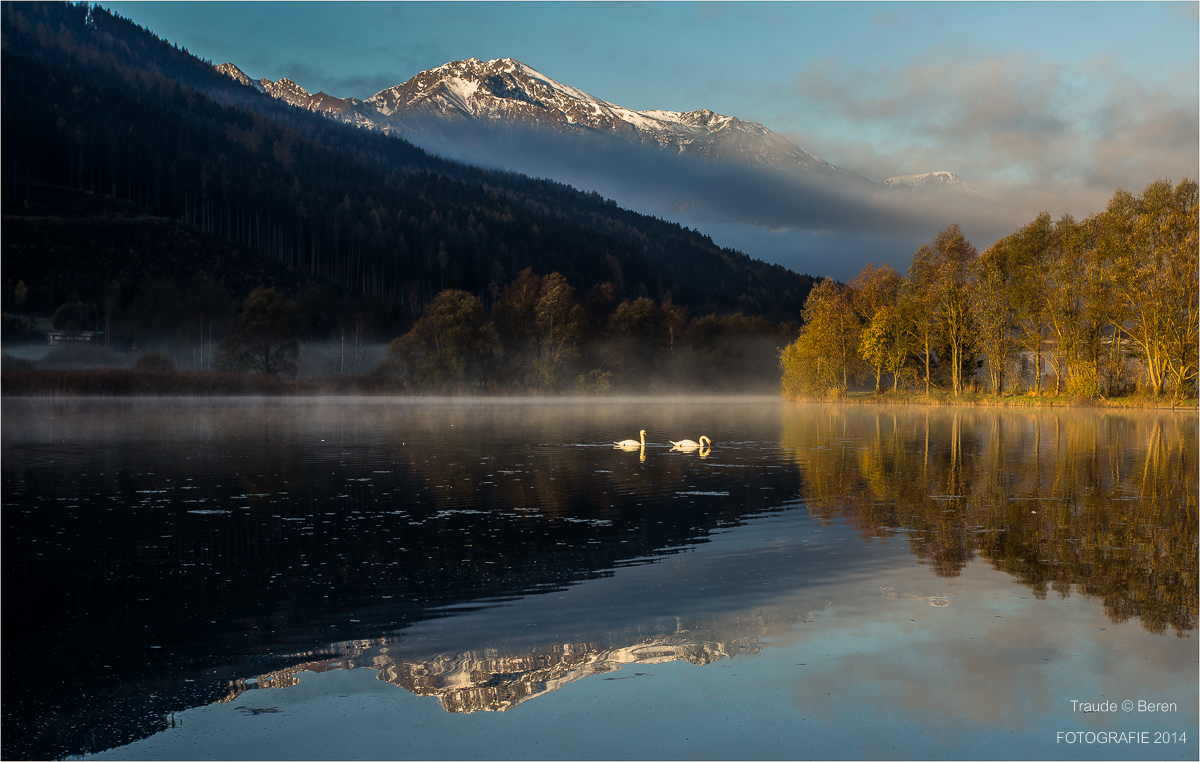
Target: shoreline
{"type": "Point", "coordinates": [947, 399]}
{"type": "Point", "coordinates": [128, 383]}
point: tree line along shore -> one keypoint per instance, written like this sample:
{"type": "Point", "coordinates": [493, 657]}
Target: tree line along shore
{"type": "Point", "coordinates": [539, 337]}
{"type": "Point", "coordinates": [1102, 309]}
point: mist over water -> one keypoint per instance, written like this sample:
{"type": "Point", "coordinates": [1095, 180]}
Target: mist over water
{"type": "Point", "coordinates": [297, 578]}
{"type": "Point", "coordinates": [338, 357]}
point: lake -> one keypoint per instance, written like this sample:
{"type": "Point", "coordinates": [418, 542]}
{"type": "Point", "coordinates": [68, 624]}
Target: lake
{"type": "Point", "coordinates": [466, 579]}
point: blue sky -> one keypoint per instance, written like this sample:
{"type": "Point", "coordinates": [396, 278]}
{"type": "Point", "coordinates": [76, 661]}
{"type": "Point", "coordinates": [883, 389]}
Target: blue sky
{"type": "Point", "coordinates": [1037, 105]}
{"type": "Point", "coordinates": [879, 88]}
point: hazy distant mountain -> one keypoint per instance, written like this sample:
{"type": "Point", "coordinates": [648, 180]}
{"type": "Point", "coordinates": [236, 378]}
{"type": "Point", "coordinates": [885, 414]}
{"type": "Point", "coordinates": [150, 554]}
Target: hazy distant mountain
{"type": "Point", "coordinates": [930, 182]}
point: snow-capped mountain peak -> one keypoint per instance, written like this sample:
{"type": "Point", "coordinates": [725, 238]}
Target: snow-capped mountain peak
{"type": "Point", "coordinates": [508, 93]}
{"type": "Point", "coordinates": [501, 88]}
{"type": "Point", "coordinates": [287, 90]}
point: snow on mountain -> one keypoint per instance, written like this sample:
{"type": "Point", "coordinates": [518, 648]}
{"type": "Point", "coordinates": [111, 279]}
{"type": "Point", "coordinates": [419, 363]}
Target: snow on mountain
{"type": "Point", "coordinates": [349, 110]}
{"type": "Point", "coordinates": [287, 90]}
{"type": "Point", "coordinates": [929, 182]}
{"type": "Point", "coordinates": [234, 72]}
{"type": "Point", "coordinates": [507, 92]}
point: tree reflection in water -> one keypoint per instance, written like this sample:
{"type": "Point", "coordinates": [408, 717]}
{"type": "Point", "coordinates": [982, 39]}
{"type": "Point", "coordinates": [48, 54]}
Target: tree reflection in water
{"type": "Point", "coordinates": [1103, 504]}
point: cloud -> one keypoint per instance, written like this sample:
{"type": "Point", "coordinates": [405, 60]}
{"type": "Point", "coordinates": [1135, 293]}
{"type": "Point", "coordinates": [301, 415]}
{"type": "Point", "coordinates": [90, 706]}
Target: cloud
{"type": "Point", "coordinates": [892, 22]}
{"type": "Point", "coordinates": [1187, 12]}
{"type": "Point", "coordinates": [1030, 135]}
{"type": "Point", "coordinates": [812, 225]}
{"type": "Point", "coordinates": [1009, 123]}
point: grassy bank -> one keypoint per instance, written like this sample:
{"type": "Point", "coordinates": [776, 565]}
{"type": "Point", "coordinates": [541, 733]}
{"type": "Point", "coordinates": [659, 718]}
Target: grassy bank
{"type": "Point", "coordinates": [938, 397]}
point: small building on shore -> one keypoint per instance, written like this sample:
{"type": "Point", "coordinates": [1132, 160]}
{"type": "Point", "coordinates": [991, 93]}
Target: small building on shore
{"type": "Point", "coordinates": [60, 337]}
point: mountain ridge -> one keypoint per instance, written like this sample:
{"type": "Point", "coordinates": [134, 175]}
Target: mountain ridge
{"type": "Point", "coordinates": [103, 107]}
{"type": "Point", "coordinates": [507, 91]}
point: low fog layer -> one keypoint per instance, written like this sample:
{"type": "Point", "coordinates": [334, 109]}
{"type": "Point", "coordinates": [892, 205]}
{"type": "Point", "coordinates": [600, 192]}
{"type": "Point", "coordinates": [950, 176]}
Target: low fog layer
{"type": "Point", "coordinates": [317, 358]}
{"type": "Point", "coordinates": [812, 225]}
{"type": "Point", "coordinates": [338, 358]}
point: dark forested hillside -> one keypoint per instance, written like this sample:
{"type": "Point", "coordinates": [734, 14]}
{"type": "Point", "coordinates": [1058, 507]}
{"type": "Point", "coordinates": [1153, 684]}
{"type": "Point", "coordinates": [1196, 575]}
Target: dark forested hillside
{"type": "Point", "coordinates": [95, 104]}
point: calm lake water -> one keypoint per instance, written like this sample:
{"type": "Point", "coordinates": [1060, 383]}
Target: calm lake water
{"type": "Point", "coordinates": [376, 578]}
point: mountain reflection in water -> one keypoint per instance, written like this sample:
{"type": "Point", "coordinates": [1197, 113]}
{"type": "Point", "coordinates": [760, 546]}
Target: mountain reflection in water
{"type": "Point", "coordinates": [164, 548]}
{"type": "Point", "coordinates": [489, 681]}
{"type": "Point", "coordinates": [1104, 504]}
{"type": "Point", "coordinates": [161, 553]}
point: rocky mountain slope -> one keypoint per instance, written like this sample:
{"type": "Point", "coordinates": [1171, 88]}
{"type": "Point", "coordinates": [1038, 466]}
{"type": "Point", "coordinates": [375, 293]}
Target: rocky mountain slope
{"type": "Point", "coordinates": [506, 92]}
{"type": "Point", "coordinates": [145, 122]}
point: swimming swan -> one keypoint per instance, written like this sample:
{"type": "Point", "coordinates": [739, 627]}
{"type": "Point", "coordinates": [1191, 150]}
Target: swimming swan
{"type": "Point", "coordinates": [688, 444]}
{"type": "Point", "coordinates": [632, 444]}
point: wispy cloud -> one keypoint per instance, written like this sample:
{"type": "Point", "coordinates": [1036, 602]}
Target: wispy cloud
{"type": "Point", "coordinates": [1186, 11]}
{"type": "Point", "coordinates": [1009, 122]}
{"type": "Point", "coordinates": [811, 225]}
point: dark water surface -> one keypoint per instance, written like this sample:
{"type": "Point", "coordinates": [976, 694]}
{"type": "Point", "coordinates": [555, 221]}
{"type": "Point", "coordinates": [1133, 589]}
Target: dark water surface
{"type": "Point", "coordinates": [493, 579]}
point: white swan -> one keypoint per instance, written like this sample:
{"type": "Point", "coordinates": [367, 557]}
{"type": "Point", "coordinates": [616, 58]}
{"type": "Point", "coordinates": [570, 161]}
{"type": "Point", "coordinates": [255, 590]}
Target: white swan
{"type": "Point", "coordinates": [632, 444]}
{"type": "Point", "coordinates": [690, 444]}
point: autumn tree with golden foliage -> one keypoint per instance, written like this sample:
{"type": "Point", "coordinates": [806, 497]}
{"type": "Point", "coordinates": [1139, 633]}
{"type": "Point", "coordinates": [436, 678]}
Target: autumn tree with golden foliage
{"type": "Point", "coordinates": [825, 355]}
{"type": "Point", "coordinates": [1081, 298]}
{"type": "Point", "coordinates": [1153, 242]}
{"type": "Point", "coordinates": [950, 257]}
{"type": "Point", "coordinates": [875, 292]}
{"type": "Point", "coordinates": [991, 290]}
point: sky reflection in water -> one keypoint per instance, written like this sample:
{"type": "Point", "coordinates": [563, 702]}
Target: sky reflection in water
{"type": "Point", "coordinates": [259, 580]}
